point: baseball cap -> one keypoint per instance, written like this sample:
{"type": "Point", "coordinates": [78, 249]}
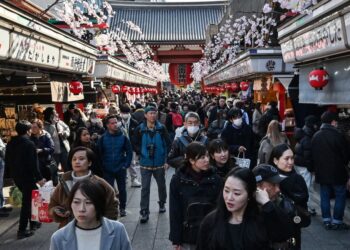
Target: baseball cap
{"type": "Point", "coordinates": [150, 108]}
{"type": "Point", "coordinates": [266, 172]}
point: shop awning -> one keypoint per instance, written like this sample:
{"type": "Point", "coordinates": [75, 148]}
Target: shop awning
{"type": "Point", "coordinates": [110, 68]}
{"type": "Point", "coordinates": [253, 62]}
{"type": "Point", "coordinates": [27, 40]}
{"type": "Point", "coordinates": [335, 92]}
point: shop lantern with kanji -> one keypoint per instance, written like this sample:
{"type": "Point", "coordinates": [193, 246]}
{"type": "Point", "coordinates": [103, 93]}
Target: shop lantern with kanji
{"type": "Point", "coordinates": [234, 87]}
{"type": "Point", "coordinates": [318, 78]}
{"type": "Point", "coordinates": [131, 91]}
{"type": "Point", "coordinates": [244, 86]}
{"type": "Point", "coordinates": [75, 87]}
{"type": "Point", "coordinates": [115, 89]}
{"type": "Point", "coordinates": [124, 89]}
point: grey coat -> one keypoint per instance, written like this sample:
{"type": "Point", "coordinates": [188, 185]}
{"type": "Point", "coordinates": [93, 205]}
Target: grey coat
{"type": "Point", "coordinates": [113, 236]}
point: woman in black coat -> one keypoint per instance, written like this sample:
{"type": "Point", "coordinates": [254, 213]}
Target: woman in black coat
{"type": "Point", "coordinates": [294, 186]}
{"type": "Point", "coordinates": [194, 189]}
{"type": "Point", "coordinates": [237, 222]}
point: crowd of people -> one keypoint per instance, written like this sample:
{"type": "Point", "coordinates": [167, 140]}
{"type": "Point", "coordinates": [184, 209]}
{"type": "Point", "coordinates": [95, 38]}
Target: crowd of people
{"type": "Point", "coordinates": [214, 201]}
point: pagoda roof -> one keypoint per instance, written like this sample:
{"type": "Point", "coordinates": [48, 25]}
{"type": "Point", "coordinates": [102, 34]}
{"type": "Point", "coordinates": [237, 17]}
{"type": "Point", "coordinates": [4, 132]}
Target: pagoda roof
{"type": "Point", "coordinates": [168, 23]}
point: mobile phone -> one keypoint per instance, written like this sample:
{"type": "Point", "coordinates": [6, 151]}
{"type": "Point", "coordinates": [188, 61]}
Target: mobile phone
{"type": "Point", "coordinates": [60, 210]}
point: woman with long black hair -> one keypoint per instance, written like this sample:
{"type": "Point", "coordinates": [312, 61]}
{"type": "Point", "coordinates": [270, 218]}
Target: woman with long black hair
{"type": "Point", "coordinates": [244, 218]}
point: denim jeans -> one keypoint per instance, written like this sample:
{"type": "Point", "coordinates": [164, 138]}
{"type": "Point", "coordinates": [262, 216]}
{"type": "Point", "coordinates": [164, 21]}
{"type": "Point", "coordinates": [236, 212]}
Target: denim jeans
{"type": "Point", "coordinates": [307, 177]}
{"type": "Point", "coordinates": [339, 206]}
{"type": "Point", "coordinates": [146, 176]}
{"type": "Point", "coordinates": [132, 168]}
{"type": "Point", "coordinates": [120, 177]}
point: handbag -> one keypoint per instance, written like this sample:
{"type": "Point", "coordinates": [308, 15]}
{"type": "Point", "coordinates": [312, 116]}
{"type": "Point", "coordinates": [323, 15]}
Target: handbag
{"type": "Point", "coordinates": [242, 162]}
{"type": "Point", "coordinates": [300, 216]}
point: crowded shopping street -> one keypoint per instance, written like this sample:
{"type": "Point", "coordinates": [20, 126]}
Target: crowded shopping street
{"type": "Point", "coordinates": [174, 124]}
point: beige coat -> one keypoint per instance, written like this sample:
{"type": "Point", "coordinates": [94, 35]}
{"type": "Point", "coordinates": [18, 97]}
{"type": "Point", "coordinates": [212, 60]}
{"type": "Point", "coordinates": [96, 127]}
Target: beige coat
{"type": "Point", "coordinates": [60, 198]}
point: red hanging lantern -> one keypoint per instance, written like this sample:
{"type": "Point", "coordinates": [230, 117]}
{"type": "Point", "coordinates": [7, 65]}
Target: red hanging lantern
{"type": "Point", "coordinates": [115, 89]}
{"type": "Point", "coordinates": [142, 90]}
{"type": "Point", "coordinates": [318, 78]}
{"type": "Point", "coordinates": [75, 87]}
{"type": "Point", "coordinates": [234, 87]}
{"type": "Point", "coordinates": [244, 86]}
{"type": "Point", "coordinates": [137, 91]}
{"type": "Point", "coordinates": [131, 91]}
{"type": "Point", "coordinates": [124, 89]}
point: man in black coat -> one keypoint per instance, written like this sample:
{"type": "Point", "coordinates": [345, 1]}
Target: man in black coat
{"type": "Point", "coordinates": [238, 135]}
{"type": "Point", "coordinates": [21, 160]}
{"type": "Point", "coordinates": [330, 155]}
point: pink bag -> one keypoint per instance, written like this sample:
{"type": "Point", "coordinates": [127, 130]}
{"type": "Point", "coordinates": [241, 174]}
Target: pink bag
{"type": "Point", "coordinates": [40, 204]}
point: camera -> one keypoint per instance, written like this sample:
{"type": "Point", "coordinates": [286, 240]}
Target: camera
{"type": "Point", "coordinates": [151, 149]}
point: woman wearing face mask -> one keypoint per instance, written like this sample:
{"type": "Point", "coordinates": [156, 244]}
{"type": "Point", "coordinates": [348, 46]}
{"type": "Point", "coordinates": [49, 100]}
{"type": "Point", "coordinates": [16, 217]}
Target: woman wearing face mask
{"type": "Point", "coordinates": [190, 134]}
{"type": "Point", "coordinates": [82, 159]}
{"type": "Point", "coordinates": [294, 186]}
{"type": "Point", "coordinates": [90, 229]}
{"type": "Point", "coordinates": [220, 157]}
{"type": "Point", "coordinates": [194, 189]}
{"type": "Point", "coordinates": [83, 139]}
{"type": "Point", "coordinates": [238, 136]}
{"type": "Point", "coordinates": [244, 217]}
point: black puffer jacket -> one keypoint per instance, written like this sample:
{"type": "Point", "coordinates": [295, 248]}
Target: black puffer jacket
{"type": "Point", "coordinates": [178, 148]}
{"type": "Point", "coordinates": [192, 197]}
{"type": "Point", "coordinates": [330, 155]}
{"type": "Point", "coordinates": [303, 156]}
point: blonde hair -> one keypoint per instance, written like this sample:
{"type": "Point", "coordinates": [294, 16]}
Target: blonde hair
{"type": "Point", "coordinates": [274, 134]}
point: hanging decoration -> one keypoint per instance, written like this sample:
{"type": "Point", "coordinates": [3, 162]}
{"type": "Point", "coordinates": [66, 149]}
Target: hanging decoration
{"type": "Point", "coordinates": [318, 78]}
{"type": "Point", "coordinates": [244, 86]}
{"type": "Point", "coordinates": [115, 89]}
{"type": "Point", "coordinates": [75, 87]}
{"type": "Point", "coordinates": [124, 89]}
{"type": "Point", "coordinates": [131, 91]}
{"type": "Point", "coordinates": [234, 87]}
{"type": "Point", "coordinates": [180, 74]}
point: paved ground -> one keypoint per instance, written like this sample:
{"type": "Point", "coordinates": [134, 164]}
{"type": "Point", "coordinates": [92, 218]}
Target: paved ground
{"type": "Point", "coordinates": [154, 234]}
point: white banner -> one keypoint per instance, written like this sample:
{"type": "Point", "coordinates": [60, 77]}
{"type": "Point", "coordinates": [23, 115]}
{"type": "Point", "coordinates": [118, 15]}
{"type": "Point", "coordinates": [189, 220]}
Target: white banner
{"type": "Point", "coordinates": [4, 43]}
{"type": "Point", "coordinates": [60, 93]}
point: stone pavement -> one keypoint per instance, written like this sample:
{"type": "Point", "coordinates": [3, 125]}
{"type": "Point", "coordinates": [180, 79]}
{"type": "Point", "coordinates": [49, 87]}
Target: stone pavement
{"type": "Point", "coordinates": [154, 234]}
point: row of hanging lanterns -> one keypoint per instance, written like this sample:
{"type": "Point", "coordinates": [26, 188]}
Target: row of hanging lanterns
{"type": "Point", "coordinates": [232, 87]}
{"type": "Point", "coordinates": [116, 89]}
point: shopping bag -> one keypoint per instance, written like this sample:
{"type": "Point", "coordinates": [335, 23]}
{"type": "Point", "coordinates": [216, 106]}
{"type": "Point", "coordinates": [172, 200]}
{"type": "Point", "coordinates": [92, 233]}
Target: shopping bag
{"type": "Point", "coordinates": [242, 162]}
{"type": "Point", "coordinates": [40, 203]}
{"type": "Point", "coordinates": [15, 198]}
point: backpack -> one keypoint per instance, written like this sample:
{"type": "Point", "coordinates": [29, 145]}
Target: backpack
{"type": "Point", "coordinates": [176, 119]}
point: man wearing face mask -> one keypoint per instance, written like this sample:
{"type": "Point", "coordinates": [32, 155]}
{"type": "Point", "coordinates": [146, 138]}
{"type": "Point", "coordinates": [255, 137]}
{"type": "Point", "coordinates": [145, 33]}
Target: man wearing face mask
{"type": "Point", "coordinates": [129, 124]}
{"type": "Point", "coordinates": [238, 135]}
{"type": "Point", "coordinates": [190, 134]}
{"type": "Point", "coordinates": [116, 153]}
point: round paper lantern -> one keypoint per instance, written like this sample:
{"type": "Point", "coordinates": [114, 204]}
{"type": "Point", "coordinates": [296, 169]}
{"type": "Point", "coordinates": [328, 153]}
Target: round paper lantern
{"type": "Point", "coordinates": [142, 90]}
{"type": "Point", "coordinates": [318, 78]}
{"type": "Point", "coordinates": [124, 89]}
{"type": "Point", "coordinates": [75, 87]}
{"type": "Point", "coordinates": [137, 91]}
{"type": "Point", "coordinates": [131, 91]}
{"type": "Point", "coordinates": [244, 86]}
{"type": "Point", "coordinates": [115, 89]}
{"type": "Point", "coordinates": [234, 87]}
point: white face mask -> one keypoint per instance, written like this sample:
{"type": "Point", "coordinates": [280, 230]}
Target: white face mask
{"type": "Point", "coordinates": [192, 129]}
{"type": "Point", "coordinates": [125, 116]}
{"type": "Point", "coordinates": [238, 122]}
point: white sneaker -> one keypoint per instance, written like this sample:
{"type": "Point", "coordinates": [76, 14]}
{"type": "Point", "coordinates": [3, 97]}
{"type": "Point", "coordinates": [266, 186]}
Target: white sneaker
{"type": "Point", "coordinates": [135, 183]}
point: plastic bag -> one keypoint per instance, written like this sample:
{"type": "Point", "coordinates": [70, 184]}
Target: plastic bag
{"type": "Point", "coordinates": [40, 203]}
{"type": "Point", "coordinates": [15, 198]}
